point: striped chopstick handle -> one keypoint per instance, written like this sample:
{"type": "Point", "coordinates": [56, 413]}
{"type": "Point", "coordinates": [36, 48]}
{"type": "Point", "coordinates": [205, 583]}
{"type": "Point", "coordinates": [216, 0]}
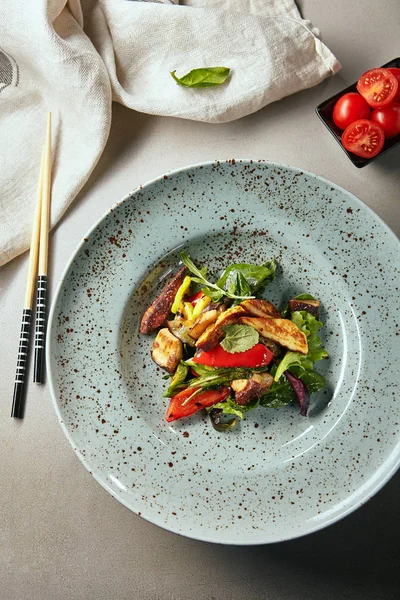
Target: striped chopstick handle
{"type": "Point", "coordinates": [18, 399]}
{"type": "Point", "coordinates": [40, 329]}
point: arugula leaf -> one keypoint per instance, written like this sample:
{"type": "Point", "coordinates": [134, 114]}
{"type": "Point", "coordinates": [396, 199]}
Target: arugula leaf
{"type": "Point", "coordinates": [214, 376]}
{"type": "Point", "coordinates": [218, 377]}
{"type": "Point", "coordinates": [177, 380]}
{"type": "Point", "coordinates": [210, 289]}
{"type": "Point", "coordinates": [204, 77]}
{"type": "Point", "coordinates": [201, 370]}
{"type": "Point", "coordinates": [243, 276]}
{"type": "Point", "coordinates": [215, 295]}
{"type": "Point", "coordinates": [310, 326]}
{"type": "Point", "coordinates": [230, 407]}
{"type": "Point", "coordinates": [239, 338]}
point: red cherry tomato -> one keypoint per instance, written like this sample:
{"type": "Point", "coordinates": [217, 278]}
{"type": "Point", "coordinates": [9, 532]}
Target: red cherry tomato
{"type": "Point", "coordinates": [388, 117]}
{"type": "Point", "coordinates": [187, 402]}
{"type": "Point", "coordinates": [396, 72]}
{"type": "Point", "coordinates": [349, 108]}
{"type": "Point", "coordinates": [378, 86]}
{"type": "Point", "coordinates": [363, 138]}
{"type": "Point", "coordinates": [257, 356]}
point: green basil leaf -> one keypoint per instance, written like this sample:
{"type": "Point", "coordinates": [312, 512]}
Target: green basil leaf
{"type": "Point", "coordinates": [241, 287]}
{"type": "Point", "coordinates": [211, 289]}
{"type": "Point", "coordinates": [204, 77]}
{"type": "Point", "coordinates": [254, 277]}
{"type": "Point", "coordinates": [239, 338]}
{"type": "Point", "coordinates": [215, 295]}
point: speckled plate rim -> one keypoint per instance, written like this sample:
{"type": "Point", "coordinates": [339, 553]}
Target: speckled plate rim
{"type": "Point", "coordinates": [380, 477]}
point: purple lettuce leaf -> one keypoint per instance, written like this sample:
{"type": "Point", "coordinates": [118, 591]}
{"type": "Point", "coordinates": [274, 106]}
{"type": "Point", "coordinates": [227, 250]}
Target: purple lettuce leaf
{"type": "Point", "coordinates": [301, 391]}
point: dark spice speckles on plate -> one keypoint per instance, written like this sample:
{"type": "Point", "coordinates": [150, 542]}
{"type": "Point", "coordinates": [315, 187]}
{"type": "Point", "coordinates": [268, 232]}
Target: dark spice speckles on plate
{"type": "Point", "coordinates": [279, 475]}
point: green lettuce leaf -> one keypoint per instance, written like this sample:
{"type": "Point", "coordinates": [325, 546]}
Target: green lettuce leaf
{"type": "Point", "coordinates": [310, 326]}
{"type": "Point", "coordinates": [279, 394]}
{"type": "Point", "coordinates": [313, 380]}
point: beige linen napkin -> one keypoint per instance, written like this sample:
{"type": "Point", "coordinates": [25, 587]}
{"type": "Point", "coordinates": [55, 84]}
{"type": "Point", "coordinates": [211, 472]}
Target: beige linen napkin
{"type": "Point", "coordinates": [74, 57]}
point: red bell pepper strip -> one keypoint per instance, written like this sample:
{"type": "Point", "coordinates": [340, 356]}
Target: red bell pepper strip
{"type": "Point", "coordinates": [195, 298]}
{"type": "Point", "coordinates": [181, 406]}
{"type": "Point", "coordinates": [257, 356]}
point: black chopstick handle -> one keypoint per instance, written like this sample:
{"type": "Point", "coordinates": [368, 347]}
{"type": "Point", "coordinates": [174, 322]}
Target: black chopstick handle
{"type": "Point", "coordinates": [40, 329]}
{"type": "Point", "coordinates": [19, 384]}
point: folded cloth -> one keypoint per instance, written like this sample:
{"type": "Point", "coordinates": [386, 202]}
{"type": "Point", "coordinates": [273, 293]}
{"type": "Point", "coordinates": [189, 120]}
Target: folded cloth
{"type": "Point", "coordinates": [75, 57]}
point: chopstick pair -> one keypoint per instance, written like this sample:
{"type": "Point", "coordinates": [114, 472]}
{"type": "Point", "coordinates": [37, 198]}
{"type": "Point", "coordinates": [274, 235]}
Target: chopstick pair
{"type": "Point", "coordinates": [37, 273]}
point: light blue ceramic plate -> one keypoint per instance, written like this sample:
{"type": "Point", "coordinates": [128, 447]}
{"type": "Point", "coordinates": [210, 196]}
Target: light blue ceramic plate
{"type": "Point", "coordinates": [279, 475]}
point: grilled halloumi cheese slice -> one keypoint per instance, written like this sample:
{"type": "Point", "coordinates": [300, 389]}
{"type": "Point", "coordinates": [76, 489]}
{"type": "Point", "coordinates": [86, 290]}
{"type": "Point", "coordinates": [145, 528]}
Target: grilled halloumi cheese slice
{"type": "Point", "coordinates": [283, 331]}
{"type": "Point", "coordinates": [214, 334]}
{"type": "Point", "coordinates": [257, 307]}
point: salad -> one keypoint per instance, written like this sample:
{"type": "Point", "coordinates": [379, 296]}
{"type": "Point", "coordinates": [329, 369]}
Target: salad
{"type": "Point", "coordinates": [228, 350]}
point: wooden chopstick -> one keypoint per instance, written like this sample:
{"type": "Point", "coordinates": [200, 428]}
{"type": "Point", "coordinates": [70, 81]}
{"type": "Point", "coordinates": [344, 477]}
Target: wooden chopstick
{"type": "Point", "coordinates": [41, 297]}
{"type": "Point", "coordinates": [19, 384]}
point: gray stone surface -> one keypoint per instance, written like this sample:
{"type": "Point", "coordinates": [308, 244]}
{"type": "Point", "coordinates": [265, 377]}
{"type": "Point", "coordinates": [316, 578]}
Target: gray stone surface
{"type": "Point", "coordinates": [62, 537]}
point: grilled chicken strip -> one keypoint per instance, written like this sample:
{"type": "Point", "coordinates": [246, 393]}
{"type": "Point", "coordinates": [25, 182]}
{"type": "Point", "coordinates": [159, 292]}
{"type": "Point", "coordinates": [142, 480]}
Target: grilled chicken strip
{"type": "Point", "coordinates": [159, 310]}
{"type": "Point", "coordinates": [167, 350]}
